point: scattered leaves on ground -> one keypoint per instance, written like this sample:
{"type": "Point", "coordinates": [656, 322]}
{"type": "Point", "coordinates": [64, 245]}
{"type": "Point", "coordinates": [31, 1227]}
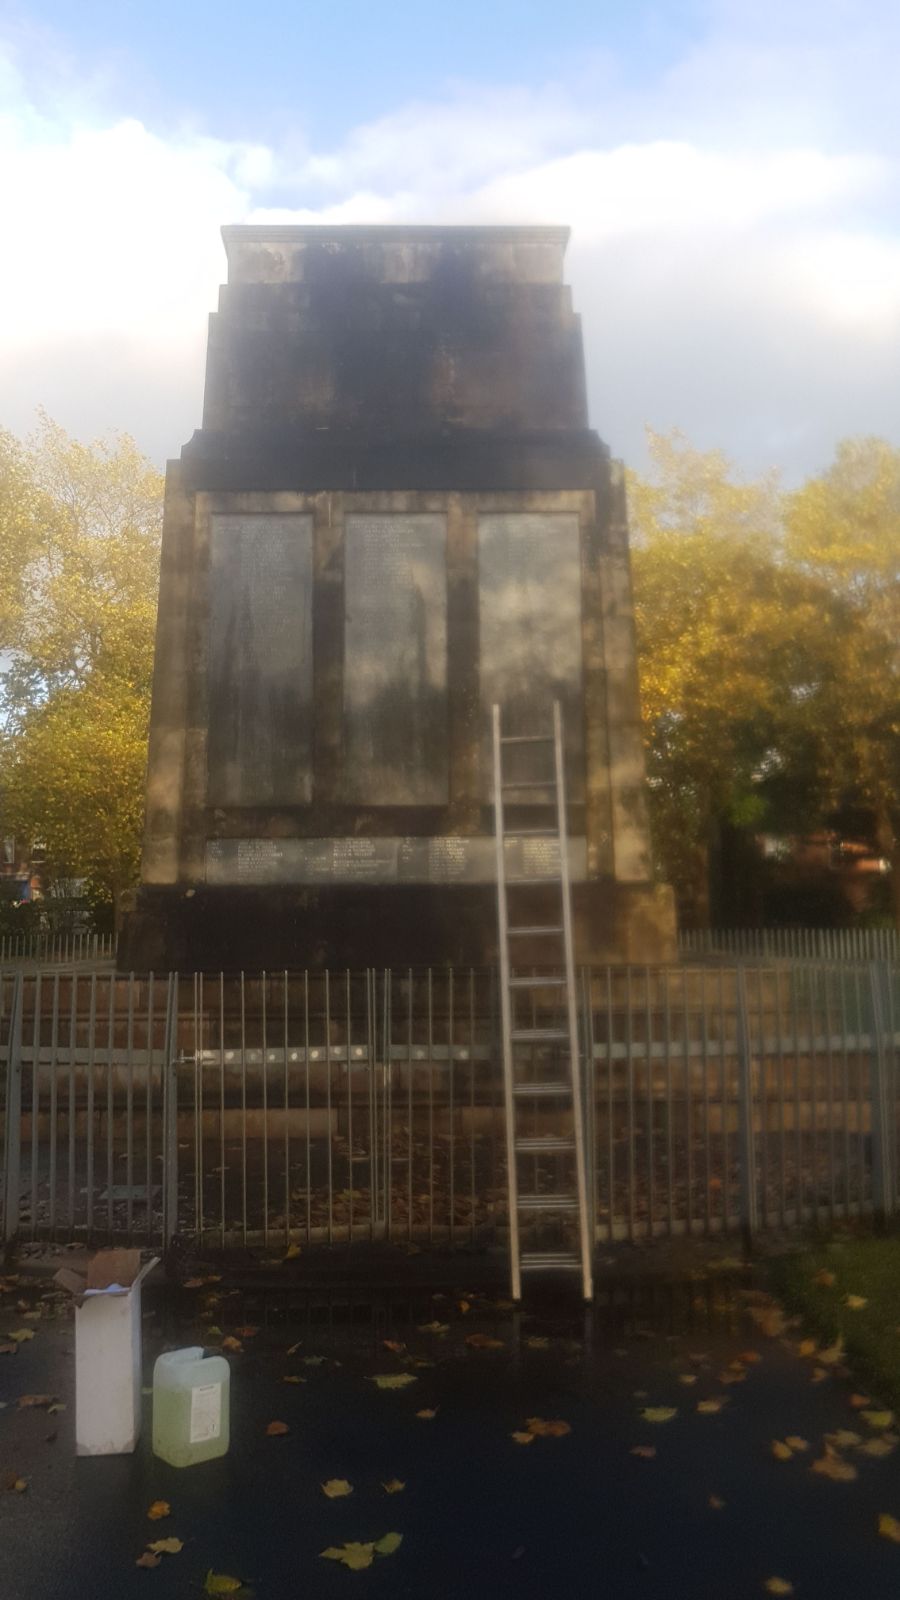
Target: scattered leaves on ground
{"type": "Point", "coordinates": [276, 1429]}
{"type": "Point", "coordinates": [7, 1349]}
{"type": "Point", "coordinates": [733, 1377]}
{"type": "Point", "coordinates": [710, 1408]}
{"type": "Point", "coordinates": [794, 1441]}
{"type": "Point", "coordinates": [518, 1436]}
{"type": "Point", "coordinates": [12, 1483]}
{"type": "Point", "coordinates": [166, 1547]}
{"type": "Point", "coordinates": [889, 1527]}
{"type": "Point", "coordinates": [647, 1452]}
{"type": "Point", "coordinates": [833, 1466]}
{"type": "Point", "coordinates": [687, 1377]}
{"type": "Point", "coordinates": [292, 1349]}
{"type": "Point", "coordinates": [394, 1486]}
{"type": "Point", "coordinates": [843, 1438]}
{"type": "Point", "coordinates": [158, 1510]}
{"type": "Point", "coordinates": [537, 1342]}
{"type": "Point", "coordinates": [483, 1341]}
{"type": "Point", "coordinates": [292, 1377]}
{"type": "Point", "coordinates": [426, 1415]}
{"type": "Point", "coordinates": [21, 1335]}
{"type": "Point", "coordinates": [337, 1488]}
{"type": "Point", "coordinates": [769, 1319]}
{"type": "Point", "coordinates": [393, 1380]}
{"type": "Point", "coordinates": [859, 1401]}
{"type": "Point", "coordinates": [883, 1444]}
{"type": "Point", "coordinates": [547, 1430]}
{"type": "Point", "coordinates": [879, 1419]}
{"type": "Point", "coordinates": [778, 1586]}
{"type": "Point", "coordinates": [807, 1347]}
{"type": "Point", "coordinates": [855, 1302]}
{"type": "Point", "coordinates": [750, 1357]}
{"type": "Point", "coordinates": [148, 1559]}
{"type": "Point", "coordinates": [781, 1451]}
{"type": "Point", "coordinates": [659, 1413]}
{"type": "Point", "coordinates": [291, 1253]}
{"type": "Point", "coordinates": [834, 1353]}
{"type": "Point", "coordinates": [434, 1327]}
{"type": "Point", "coordinates": [221, 1583]}
{"type": "Point", "coordinates": [824, 1278]}
{"type": "Point", "coordinates": [231, 1343]}
{"type": "Point", "coordinates": [358, 1556]}
{"type": "Point", "coordinates": [312, 1361]}
{"type": "Point", "coordinates": [395, 1346]}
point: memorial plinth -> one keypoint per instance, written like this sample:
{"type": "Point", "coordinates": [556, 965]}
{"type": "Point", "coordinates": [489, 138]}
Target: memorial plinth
{"type": "Point", "coordinates": [394, 514]}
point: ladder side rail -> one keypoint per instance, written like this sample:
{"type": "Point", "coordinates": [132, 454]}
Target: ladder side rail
{"type": "Point", "coordinates": [506, 1018]}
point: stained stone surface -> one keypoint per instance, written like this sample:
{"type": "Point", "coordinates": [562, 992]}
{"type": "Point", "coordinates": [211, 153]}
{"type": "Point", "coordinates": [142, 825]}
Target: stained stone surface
{"type": "Point", "coordinates": [260, 660]}
{"type": "Point", "coordinates": [529, 584]}
{"type": "Point", "coordinates": [395, 660]}
{"type": "Point", "coordinates": [444, 859]}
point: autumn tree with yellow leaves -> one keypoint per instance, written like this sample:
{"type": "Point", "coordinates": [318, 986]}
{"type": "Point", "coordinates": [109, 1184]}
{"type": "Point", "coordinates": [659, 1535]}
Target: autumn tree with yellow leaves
{"type": "Point", "coordinates": [79, 536]}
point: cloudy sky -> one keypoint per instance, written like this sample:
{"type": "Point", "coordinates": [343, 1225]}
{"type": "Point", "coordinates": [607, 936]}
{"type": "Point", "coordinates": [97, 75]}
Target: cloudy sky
{"type": "Point", "coordinates": [729, 169]}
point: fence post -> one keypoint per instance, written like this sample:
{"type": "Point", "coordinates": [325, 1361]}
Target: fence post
{"type": "Point", "coordinates": [746, 1141]}
{"type": "Point", "coordinates": [13, 1139]}
{"type": "Point", "coordinates": [882, 1118]}
{"type": "Point", "coordinates": [170, 1114]}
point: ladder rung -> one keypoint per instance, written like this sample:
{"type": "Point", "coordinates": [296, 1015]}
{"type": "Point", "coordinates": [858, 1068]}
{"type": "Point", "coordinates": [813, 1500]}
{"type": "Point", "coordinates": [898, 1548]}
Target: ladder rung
{"type": "Point", "coordinates": [529, 783]}
{"type": "Point", "coordinates": [529, 930]}
{"type": "Point", "coordinates": [541, 1144]}
{"type": "Point", "coordinates": [548, 1261]}
{"type": "Point", "coordinates": [527, 738]}
{"type": "Point", "coordinates": [531, 833]}
{"type": "Point", "coordinates": [548, 1202]}
{"type": "Point", "coordinates": [545, 883]}
{"type": "Point", "coordinates": [538, 983]}
{"type": "Point", "coordinates": [538, 1035]}
{"type": "Point", "coordinates": [542, 1091]}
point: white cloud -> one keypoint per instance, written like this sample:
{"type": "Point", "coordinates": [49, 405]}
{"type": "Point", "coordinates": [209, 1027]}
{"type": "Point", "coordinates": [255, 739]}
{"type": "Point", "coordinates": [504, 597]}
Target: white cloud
{"type": "Point", "coordinates": [737, 278]}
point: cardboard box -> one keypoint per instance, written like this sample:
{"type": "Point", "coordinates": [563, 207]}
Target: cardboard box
{"type": "Point", "coordinates": [107, 1351]}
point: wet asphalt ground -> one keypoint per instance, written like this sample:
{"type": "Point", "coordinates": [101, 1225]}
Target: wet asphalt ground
{"type": "Point", "coordinates": [481, 1516]}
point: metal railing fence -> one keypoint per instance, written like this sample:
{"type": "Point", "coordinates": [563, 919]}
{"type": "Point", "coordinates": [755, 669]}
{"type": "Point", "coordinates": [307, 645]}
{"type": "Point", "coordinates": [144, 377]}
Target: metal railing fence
{"type": "Point", "coordinates": [341, 1107]}
{"type": "Point", "coordinates": [792, 944]}
{"type": "Point", "coordinates": [56, 948]}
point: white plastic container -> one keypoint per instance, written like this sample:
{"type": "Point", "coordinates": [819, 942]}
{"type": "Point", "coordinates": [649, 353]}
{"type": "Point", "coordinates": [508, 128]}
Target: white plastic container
{"type": "Point", "coordinates": [107, 1351]}
{"type": "Point", "coordinates": [190, 1407]}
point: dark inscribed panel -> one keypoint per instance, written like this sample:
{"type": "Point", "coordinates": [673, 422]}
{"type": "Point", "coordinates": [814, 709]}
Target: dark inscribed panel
{"type": "Point", "coordinates": [529, 583]}
{"type": "Point", "coordinates": [395, 660]}
{"type": "Point", "coordinates": [260, 661]}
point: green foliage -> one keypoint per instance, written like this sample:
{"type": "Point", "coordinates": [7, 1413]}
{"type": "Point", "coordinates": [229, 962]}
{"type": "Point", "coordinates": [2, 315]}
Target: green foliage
{"type": "Point", "coordinates": [78, 614]}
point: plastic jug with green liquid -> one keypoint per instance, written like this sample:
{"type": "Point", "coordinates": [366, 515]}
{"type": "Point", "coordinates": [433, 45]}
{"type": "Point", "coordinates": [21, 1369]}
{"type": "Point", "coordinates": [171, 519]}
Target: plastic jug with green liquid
{"type": "Point", "coordinates": [190, 1407]}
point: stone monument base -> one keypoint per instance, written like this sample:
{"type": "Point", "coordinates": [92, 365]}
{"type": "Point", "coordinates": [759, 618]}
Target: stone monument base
{"type": "Point", "coordinates": [230, 929]}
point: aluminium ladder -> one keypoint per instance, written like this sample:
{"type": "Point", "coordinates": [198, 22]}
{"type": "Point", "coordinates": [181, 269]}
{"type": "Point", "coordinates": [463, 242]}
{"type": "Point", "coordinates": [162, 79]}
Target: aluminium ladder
{"type": "Point", "coordinates": [541, 1067]}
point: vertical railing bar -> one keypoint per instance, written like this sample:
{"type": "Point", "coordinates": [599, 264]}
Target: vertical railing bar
{"type": "Point", "coordinates": [222, 1174]}
{"type": "Point", "coordinates": [110, 1101]}
{"type": "Point", "coordinates": [860, 1089]}
{"type": "Point", "coordinates": [688, 1099]}
{"type": "Point", "coordinates": [308, 1110]}
{"type": "Point", "coordinates": [10, 1175]}
{"type": "Point", "coordinates": [264, 993]}
{"type": "Point", "coordinates": [148, 1112]}
{"type": "Point", "coordinates": [349, 1029]}
{"type": "Point", "coordinates": [782, 1130]}
{"type": "Point", "coordinates": [823, 974]}
{"type": "Point", "coordinates": [372, 1094]}
{"type": "Point", "coordinates": [704, 1044]}
{"type": "Point", "coordinates": [409, 1089]}
{"type": "Point", "coordinates": [73, 1022]}
{"type": "Point", "coordinates": [54, 1097]}
{"type": "Point", "coordinates": [670, 1103]}
{"type": "Point", "coordinates": [287, 1113]}
{"type": "Point", "coordinates": [590, 1098]}
{"type": "Point", "coordinates": [763, 1079]}
{"type": "Point", "coordinates": [648, 1058]}
{"type": "Point", "coordinates": [243, 1001]}
{"type": "Point", "coordinates": [841, 977]}
{"type": "Point", "coordinates": [725, 1089]}
{"type": "Point", "coordinates": [35, 1094]}
{"type": "Point", "coordinates": [814, 1090]}
{"type": "Point", "coordinates": [430, 1107]}
{"type": "Point", "coordinates": [129, 1113]}
{"type": "Point", "coordinates": [629, 1045]}
{"type": "Point", "coordinates": [89, 1131]}
{"type": "Point", "coordinates": [452, 1104]}
{"type": "Point", "coordinates": [472, 1193]}
{"type": "Point", "coordinates": [328, 1102]}
{"type": "Point", "coordinates": [610, 1107]}
{"type": "Point", "coordinates": [745, 1124]}
{"type": "Point", "coordinates": [197, 1117]}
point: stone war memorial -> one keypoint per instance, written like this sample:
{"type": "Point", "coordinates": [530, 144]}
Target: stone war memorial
{"type": "Point", "coordinates": [394, 515]}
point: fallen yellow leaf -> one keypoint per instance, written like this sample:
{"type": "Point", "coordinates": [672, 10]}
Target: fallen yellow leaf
{"type": "Point", "coordinates": [833, 1354]}
{"type": "Point", "coordinates": [855, 1302]}
{"type": "Point", "coordinates": [687, 1377]}
{"type": "Point", "coordinates": [889, 1527]}
{"type": "Point", "coordinates": [519, 1436]}
{"type": "Point", "coordinates": [858, 1401]}
{"type": "Point", "coordinates": [794, 1441]}
{"type": "Point", "coordinates": [291, 1377]}
{"type": "Point", "coordinates": [12, 1483]}
{"type": "Point", "coordinates": [483, 1341]}
{"type": "Point", "coordinates": [394, 1486]}
{"type": "Point", "coordinates": [291, 1253]}
{"type": "Point", "coordinates": [879, 1419]}
{"type": "Point", "coordinates": [781, 1452]}
{"type": "Point", "coordinates": [158, 1510]}
{"type": "Point", "coordinates": [806, 1347]}
{"type": "Point", "coordinates": [148, 1559]}
{"type": "Point", "coordinates": [275, 1429]}
{"type": "Point", "coordinates": [426, 1415]}
{"type": "Point", "coordinates": [166, 1547]}
{"type": "Point", "coordinates": [659, 1413]}
{"type": "Point", "coordinates": [547, 1430]}
{"type": "Point", "coordinates": [221, 1583]}
{"type": "Point", "coordinates": [337, 1488]}
{"type": "Point", "coordinates": [388, 1543]}
{"type": "Point", "coordinates": [21, 1335]}
{"type": "Point", "coordinates": [709, 1408]}
{"type": "Point", "coordinates": [833, 1466]}
{"type": "Point", "coordinates": [312, 1361]}
{"type": "Point", "coordinates": [354, 1555]}
{"type": "Point", "coordinates": [818, 1375]}
{"type": "Point", "coordinates": [292, 1349]}
{"type": "Point", "coordinates": [843, 1438]}
{"type": "Point", "coordinates": [750, 1357]}
{"type": "Point", "coordinates": [883, 1444]}
{"type": "Point", "coordinates": [537, 1342]}
{"type": "Point", "coordinates": [778, 1586]}
{"type": "Point", "coordinates": [393, 1380]}
{"type": "Point", "coordinates": [434, 1327]}
{"type": "Point", "coordinates": [231, 1343]}
{"type": "Point", "coordinates": [824, 1278]}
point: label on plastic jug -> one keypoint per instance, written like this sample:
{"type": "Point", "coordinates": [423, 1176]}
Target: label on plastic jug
{"type": "Point", "coordinates": [206, 1412]}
